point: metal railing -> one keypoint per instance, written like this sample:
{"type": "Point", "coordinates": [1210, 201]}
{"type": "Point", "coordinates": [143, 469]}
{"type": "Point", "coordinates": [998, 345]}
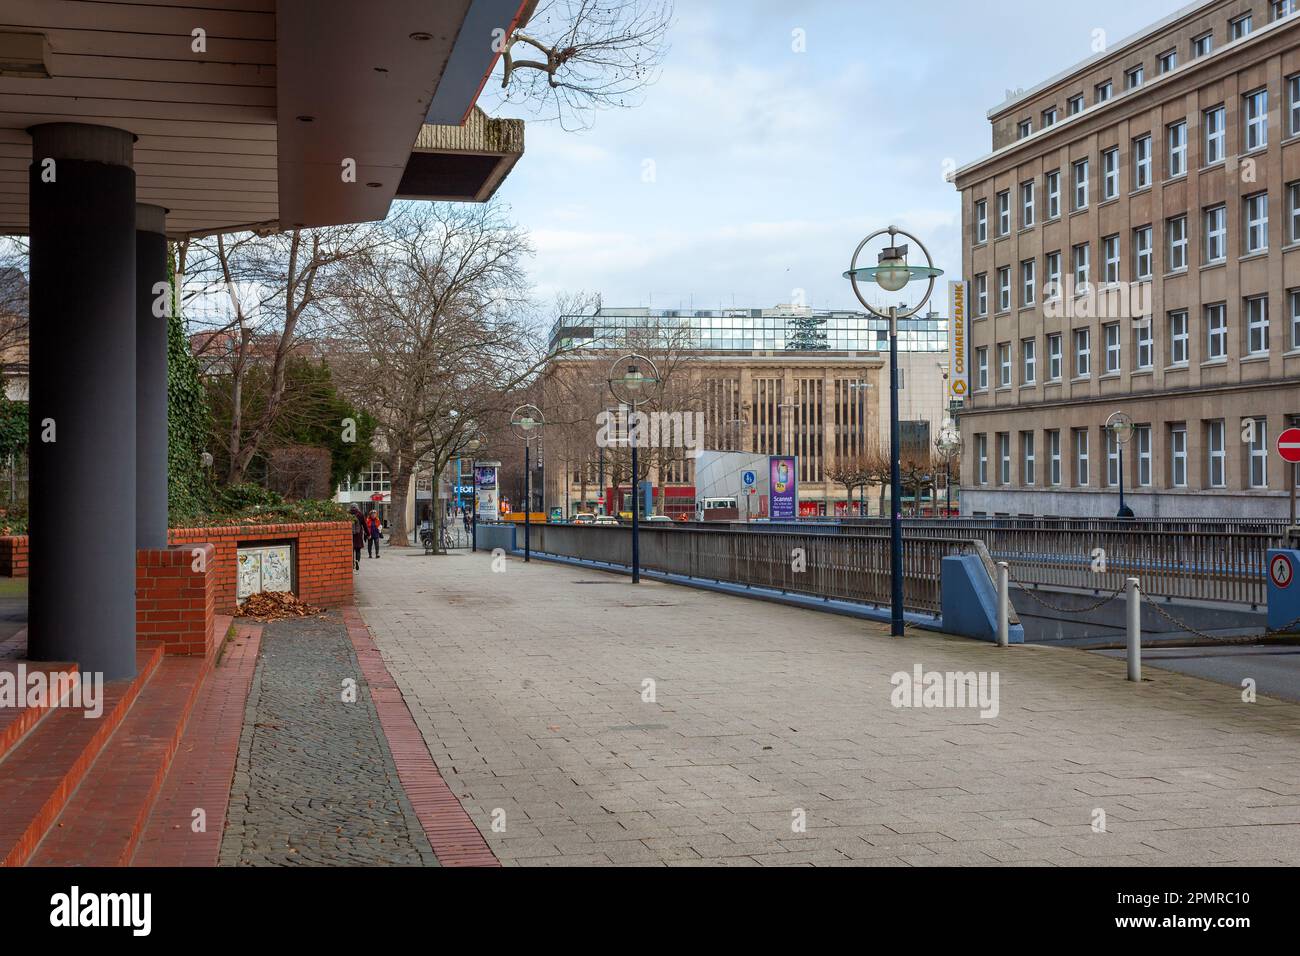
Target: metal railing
{"type": "Point", "coordinates": [828, 566]}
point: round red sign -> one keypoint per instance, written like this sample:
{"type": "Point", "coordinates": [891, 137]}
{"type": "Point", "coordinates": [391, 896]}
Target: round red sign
{"type": "Point", "coordinates": [1288, 445]}
{"type": "Point", "coordinates": [1280, 570]}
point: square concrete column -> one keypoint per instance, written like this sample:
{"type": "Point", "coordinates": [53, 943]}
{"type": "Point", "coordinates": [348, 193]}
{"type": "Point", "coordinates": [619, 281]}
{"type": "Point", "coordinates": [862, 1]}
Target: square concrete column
{"type": "Point", "coordinates": [83, 398]}
{"type": "Point", "coordinates": [152, 296]}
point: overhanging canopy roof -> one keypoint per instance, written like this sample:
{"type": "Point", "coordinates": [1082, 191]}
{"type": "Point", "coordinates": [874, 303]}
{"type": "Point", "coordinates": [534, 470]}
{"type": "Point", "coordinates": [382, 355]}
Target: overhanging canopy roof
{"type": "Point", "coordinates": [253, 128]}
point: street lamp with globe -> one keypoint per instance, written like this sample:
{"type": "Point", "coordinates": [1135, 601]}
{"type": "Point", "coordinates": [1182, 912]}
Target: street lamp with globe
{"type": "Point", "coordinates": [631, 379]}
{"type": "Point", "coordinates": [527, 422]}
{"type": "Point", "coordinates": [1120, 425]}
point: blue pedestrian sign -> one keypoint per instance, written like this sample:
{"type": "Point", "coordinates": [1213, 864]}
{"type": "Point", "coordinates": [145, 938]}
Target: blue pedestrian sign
{"type": "Point", "coordinates": [749, 479]}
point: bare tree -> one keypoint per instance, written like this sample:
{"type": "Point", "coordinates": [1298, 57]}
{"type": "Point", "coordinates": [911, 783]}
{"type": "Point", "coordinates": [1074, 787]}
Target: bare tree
{"type": "Point", "coordinates": [438, 336]}
{"type": "Point", "coordinates": [14, 315]}
{"type": "Point", "coordinates": [853, 473]}
{"type": "Point", "coordinates": [258, 300]}
{"type": "Point", "coordinates": [575, 56]}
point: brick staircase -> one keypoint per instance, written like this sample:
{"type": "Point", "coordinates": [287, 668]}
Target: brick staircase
{"type": "Point", "coordinates": [78, 790]}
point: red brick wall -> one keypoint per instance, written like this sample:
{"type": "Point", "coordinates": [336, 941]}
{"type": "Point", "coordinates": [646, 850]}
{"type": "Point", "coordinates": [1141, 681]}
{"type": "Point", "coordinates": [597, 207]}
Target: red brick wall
{"type": "Point", "coordinates": [322, 558]}
{"type": "Point", "coordinates": [13, 556]}
{"type": "Point", "coordinates": [175, 598]}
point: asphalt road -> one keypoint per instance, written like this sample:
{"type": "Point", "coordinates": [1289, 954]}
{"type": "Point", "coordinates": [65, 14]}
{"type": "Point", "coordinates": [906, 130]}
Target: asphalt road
{"type": "Point", "coordinates": [1274, 668]}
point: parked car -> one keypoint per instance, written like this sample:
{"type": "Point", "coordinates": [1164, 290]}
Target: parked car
{"type": "Point", "coordinates": [584, 517]}
{"type": "Point", "coordinates": [606, 519]}
{"type": "Point", "coordinates": [659, 519]}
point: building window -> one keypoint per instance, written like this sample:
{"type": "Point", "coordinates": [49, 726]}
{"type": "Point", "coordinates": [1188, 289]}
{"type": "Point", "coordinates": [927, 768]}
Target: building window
{"type": "Point", "coordinates": [1113, 347]}
{"type": "Point", "coordinates": [1028, 361]}
{"type": "Point", "coordinates": [982, 294]}
{"type": "Point", "coordinates": [1110, 259]}
{"type": "Point", "coordinates": [1256, 430]}
{"type": "Point", "coordinates": [982, 221]}
{"type": "Point", "coordinates": [1082, 353]}
{"type": "Point", "coordinates": [1054, 357]}
{"type": "Point", "coordinates": [1239, 27]}
{"type": "Point", "coordinates": [1103, 92]}
{"type": "Point", "coordinates": [1004, 458]}
{"type": "Point", "coordinates": [1145, 342]}
{"type": "Point", "coordinates": [1079, 254]}
{"type": "Point", "coordinates": [1177, 139]}
{"type": "Point", "coordinates": [1216, 470]}
{"type": "Point", "coordinates": [1216, 331]}
{"type": "Point", "coordinates": [1110, 173]}
{"type": "Point", "coordinates": [1294, 298]}
{"type": "Point", "coordinates": [1283, 8]}
{"type": "Point", "coordinates": [1112, 457]}
{"type": "Point", "coordinates": [1293, 105]}
{"type": "Point", "coordinates": [1004, 213]}
{"type": "Point", "coordinates": [1257, 325]}
{"type": "Point", "coordinates": [1166, 61]}
{"type": "Point", "coordinates": [1133, 78]}
{"type": "Point", "coordinates": [1052, 289]}
{"type": "Point", "coordinates": [1142, 162]}
{"type": "Point", "coordinates": [1176, 231]}
{"type": "Point", "coordinates": [1256, 120]}
{"type": "Point", "coordinates": [1027, 204]}
{"type": "Point", "coordinates": [1202, 44]}
{"type": "Point", "coordinates": [1004, 288]}
{"type": "Point", "coordinates": [1054, 456]}
{"type": "Point", "coordinates": [1052, 186]}
{"type": "Point", "coordinates": [1024, 129]}
{"type": "Point", "coordinates": [982, 458]}
{"type": "Point", "coordinates": [1216, 234]}
{"type": "Point", "coordinates": [1178, 456]}
{"type": "Point", "coordinates": [1142, 258]}
{"type": "Point", "coordinates": [982, 367]}
{"type": "Point", "coordinates": [1027, 457]}
{"type": "Point", "coordinates": [1293, 212]}
{"type": "Point", "coordinates": [1142, 440]}
{"type": "Point", "coordinates": [1004, 365]}
{"type": "Point", "coordinates": [1214, 124]}
{"type": "Point", "coordinates": [1027, 282]}
{"type": "Point", "coordinates": [1081, 184]}
{"type": "Point", "coordinates": [1081, 457]}
{"type": "Point", "coordinates": [1256, 223]}
{"type": "Point", "coordinates": [1178, 338]}
{"type": "Point", "coordinates": [1049, 117]}
{"type": "Point", "coordinates": [1074, 104]}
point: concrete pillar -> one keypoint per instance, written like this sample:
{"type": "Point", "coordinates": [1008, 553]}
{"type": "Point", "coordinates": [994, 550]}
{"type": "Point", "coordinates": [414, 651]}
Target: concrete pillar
{"type": "Point", "coordinates": [150, 378]}
{"type": "Point", "coordinates": [83, 402]}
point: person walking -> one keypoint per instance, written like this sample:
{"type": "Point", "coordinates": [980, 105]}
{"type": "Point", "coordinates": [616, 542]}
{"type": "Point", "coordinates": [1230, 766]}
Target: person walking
{"type": "Point", "coordinates": [358, 536]}
{"type": "Point", "coordinates": [372, 539]}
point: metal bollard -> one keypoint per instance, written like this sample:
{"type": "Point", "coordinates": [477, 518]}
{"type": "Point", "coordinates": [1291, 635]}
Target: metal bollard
{"type": "Point", "coordinates": [1004, 604]}
{"type": "Point", "coordinates": [1134, 630]}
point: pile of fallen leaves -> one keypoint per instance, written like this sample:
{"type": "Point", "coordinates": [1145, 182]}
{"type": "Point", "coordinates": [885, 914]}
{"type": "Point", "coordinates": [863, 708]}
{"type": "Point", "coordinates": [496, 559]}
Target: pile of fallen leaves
{"type": "Point", "coordinates": [275, 606]}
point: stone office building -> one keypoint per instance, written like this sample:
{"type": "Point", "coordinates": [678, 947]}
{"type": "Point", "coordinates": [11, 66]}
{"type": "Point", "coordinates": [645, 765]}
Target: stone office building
{"type": "Point", "coordinates": [1132, 244]}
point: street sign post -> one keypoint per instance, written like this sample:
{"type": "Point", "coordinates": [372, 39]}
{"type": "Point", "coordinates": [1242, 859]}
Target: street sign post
{"type": "Point", "coordinates": [1288, 446]}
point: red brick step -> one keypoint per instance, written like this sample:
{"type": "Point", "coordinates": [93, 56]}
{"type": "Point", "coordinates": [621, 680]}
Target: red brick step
{"type": "Point", "coordinates": [40, 774]}
{"type": "Point", "coordinates": [15, 722]}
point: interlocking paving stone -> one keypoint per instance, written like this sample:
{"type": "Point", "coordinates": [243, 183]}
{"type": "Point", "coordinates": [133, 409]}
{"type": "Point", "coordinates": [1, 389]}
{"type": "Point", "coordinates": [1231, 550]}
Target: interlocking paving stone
{"type": "Point", "coordinates": [527, 689]}
{"type": "Point", "coordinates": [315, 783]}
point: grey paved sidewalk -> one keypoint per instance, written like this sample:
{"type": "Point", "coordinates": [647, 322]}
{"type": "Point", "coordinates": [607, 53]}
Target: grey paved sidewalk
{"type": "Point", "coordinates": [528, 687]}
{"type": "Point", "coordinates": [315, 782]}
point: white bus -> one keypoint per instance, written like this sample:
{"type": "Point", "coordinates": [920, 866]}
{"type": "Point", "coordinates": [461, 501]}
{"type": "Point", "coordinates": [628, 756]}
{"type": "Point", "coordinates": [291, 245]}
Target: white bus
{"type": "Point", "coordinates": [717, 509]}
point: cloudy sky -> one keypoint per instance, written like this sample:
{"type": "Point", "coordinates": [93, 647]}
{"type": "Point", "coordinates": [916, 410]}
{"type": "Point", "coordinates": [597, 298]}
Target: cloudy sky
{"type": "Point", "coordinates": [750, 171]}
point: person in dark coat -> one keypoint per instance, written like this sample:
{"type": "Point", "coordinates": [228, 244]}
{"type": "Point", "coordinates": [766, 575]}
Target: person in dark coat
{"type": "Point", "coordinates": [358, 536]}
{"type": "Point", "coordinates": [373, 535]}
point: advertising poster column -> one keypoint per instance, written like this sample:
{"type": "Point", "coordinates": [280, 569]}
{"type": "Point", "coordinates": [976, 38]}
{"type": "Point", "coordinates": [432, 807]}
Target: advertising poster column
{"type": "Point", "coordinates": [485, 487]}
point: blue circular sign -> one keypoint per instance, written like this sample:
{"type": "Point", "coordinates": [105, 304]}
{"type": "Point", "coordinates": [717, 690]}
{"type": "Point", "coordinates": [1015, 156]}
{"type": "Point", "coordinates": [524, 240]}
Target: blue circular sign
{"type": "Point", "coordinates": [749, 477]}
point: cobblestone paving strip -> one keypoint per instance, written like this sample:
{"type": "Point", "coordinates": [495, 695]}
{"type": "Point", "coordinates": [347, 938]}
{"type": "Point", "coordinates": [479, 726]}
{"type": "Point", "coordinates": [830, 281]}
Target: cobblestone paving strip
{"type": "Point", "coordinates": [530, 692]}
{"type": "Point", "coordinates": [315, 783]}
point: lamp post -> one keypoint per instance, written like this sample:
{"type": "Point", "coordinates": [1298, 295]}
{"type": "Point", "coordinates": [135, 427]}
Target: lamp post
{"type": "Point", "coordinates": [892, 274]}
{"type": "Point", "coordinates": [630, 379]}
{"type": "Point", "coordinates": [1120, 425]}
{"type": "Point", "coordinates": [949, 444]}
{"type": "Point", "coordinates": [525, 420]}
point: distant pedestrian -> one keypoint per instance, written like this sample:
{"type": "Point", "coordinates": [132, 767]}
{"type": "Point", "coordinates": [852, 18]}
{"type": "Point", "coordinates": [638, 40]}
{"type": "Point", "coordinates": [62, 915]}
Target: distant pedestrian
{"type": "Point", "coordinates": [466, 513]}
{"type": "Point", "coordinates": [358, 536]}
{"type": "Point", "coordinates": [373, 535]}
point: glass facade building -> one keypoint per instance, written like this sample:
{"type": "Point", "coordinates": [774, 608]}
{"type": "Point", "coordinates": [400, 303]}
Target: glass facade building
{"type": "Point", "coordinates": [785, 328]}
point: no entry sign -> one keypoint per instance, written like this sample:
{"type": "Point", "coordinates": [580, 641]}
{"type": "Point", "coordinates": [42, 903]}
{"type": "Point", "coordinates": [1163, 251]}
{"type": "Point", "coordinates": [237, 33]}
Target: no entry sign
{"type": "Point", "coordinates": [1280, 570]}
{"type": "Point", "coordinates": [1288, 445]}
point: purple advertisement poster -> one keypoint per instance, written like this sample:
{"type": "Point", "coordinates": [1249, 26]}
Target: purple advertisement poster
{"type": "Point", "coordinates": [783, 492]}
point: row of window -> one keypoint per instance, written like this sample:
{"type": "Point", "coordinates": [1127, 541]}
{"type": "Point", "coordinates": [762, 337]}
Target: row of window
{"type": "Point", "coordinates": [1213, 151]}
{"type": "Point", "coordinates": [1077, 456]}
{"type": "Point", "coordinates": [1255, 343]}
{"type": "Point", "coordinates": [1214, 250]}
{"type": "Point", "coordinates": [1167, 60]}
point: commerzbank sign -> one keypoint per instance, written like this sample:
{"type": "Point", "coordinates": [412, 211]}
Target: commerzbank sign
{"type": "Point", "coordinates": [958, 378]}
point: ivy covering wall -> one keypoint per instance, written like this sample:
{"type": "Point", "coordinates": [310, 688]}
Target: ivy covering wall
{"type": "Point", "coordinates": [188, 420]}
